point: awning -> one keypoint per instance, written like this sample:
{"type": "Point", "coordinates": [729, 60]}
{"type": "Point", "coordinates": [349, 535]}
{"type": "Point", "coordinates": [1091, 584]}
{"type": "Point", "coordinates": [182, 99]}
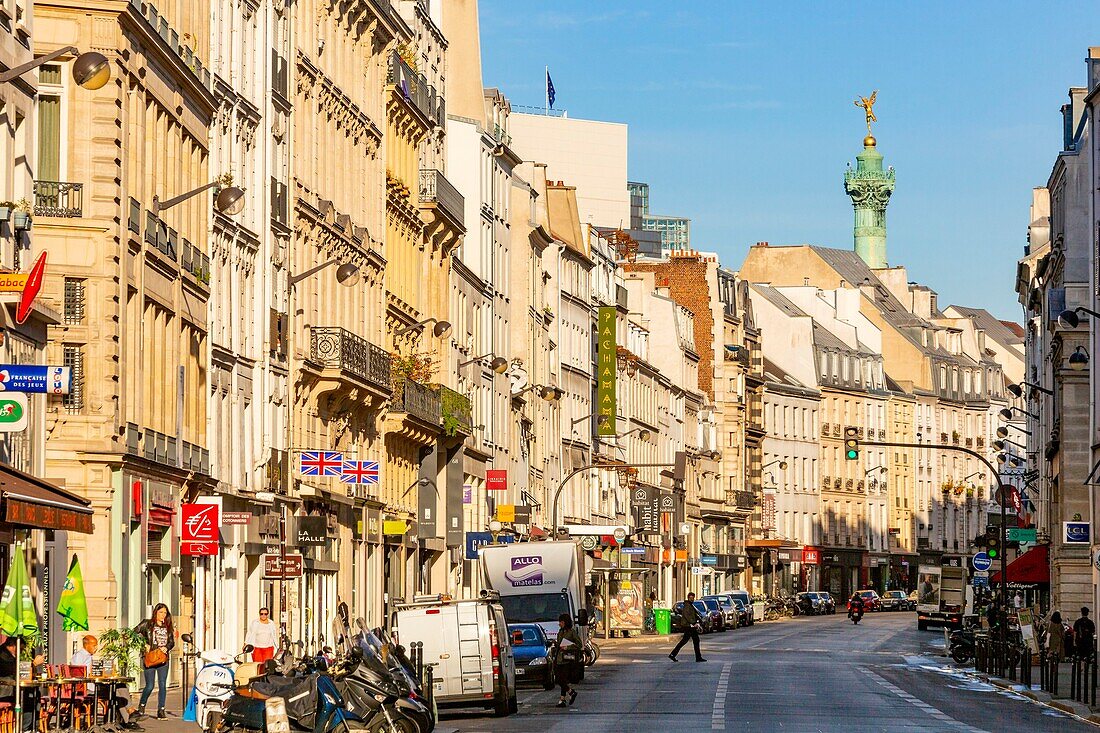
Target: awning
{"type": "Point", "coordinates": [1031, 567]}
{"type": "Point", "coordinates": [29, 501]}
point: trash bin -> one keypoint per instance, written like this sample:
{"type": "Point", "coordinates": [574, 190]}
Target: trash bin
{"type": "Point", "coordinates": [662, 618]}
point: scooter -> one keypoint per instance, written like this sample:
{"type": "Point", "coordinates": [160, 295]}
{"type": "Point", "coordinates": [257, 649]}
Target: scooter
{"type": "Point", "coordinates": [856, 616]}
{"type": "Point", "coordinates": [309, 701]}
{"type": "Point", "coordinates": [961, 645]}
{"type": "Point", "coordinates": [215, 681]}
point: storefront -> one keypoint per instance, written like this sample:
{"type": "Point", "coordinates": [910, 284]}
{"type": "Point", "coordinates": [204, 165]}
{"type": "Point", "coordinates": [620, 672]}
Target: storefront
{"type": "Point", "coordinates": [840, 572]}
{"type": "Point", "coordinates": [41, 515]}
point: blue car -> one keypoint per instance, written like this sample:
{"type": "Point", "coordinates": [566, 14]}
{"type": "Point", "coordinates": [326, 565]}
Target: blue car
{"type": "Point", "coordinates": [533, 656]}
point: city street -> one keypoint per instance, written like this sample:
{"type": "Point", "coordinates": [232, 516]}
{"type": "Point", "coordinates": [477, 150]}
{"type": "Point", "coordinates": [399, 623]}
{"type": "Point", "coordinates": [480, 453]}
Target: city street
{"type": "Point", "coordinates": [807, 674]}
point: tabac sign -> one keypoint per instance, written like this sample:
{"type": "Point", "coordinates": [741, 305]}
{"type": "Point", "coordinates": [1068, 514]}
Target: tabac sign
{"type": "Point", "coordinates": [606, 371]}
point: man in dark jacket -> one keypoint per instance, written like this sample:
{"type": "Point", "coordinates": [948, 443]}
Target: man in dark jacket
{"type": "Point", "coordinates": [1084, 635]}
{"type": "Point", "coordinates": [692, 623]}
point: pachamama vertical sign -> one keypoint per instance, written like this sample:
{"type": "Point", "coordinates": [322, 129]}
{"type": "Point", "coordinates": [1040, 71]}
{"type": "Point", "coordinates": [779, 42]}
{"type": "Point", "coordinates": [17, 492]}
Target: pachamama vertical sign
{"type": "Point", "coordinates": [606, 370]}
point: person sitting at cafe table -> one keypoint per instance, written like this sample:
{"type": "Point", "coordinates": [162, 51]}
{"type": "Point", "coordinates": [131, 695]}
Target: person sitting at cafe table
{"type": "Point", "coordinates": [85, 657]}
{"type": "Point", "coordinates": [9, 668]}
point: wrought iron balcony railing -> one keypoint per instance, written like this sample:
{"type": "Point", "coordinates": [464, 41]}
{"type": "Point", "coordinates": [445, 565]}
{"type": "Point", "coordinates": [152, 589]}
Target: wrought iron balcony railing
{"type": "Point", "coordinates": [435, 188]}
{"type": "Point", "coordinates": [338, 348]}
{"type": "Point", "coordinates": [418, 400]}
{"type": "Point", "coordinates": [416, 89]}
{"type": "Point", "coordinates": [57, 198]}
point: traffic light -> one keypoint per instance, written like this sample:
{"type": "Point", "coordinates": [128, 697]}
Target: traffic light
{"type": "Point", "coordinates": [993, 542]}
{"type": "Point", "coordinates": [851, 444]}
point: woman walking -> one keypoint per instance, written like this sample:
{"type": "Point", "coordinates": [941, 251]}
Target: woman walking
{"type": "Point", "coordinates": [1056, 637]}
{"type": "Point", "coordinates": [160, 638]}
{"type": "Point", "coordinates": [567, 658]}
{"type": "Point", "coordinates": [263, 635]}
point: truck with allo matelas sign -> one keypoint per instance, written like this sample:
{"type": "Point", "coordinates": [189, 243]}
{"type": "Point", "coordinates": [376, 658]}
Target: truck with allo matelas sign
{"type": "Point", "coordinates": [537, 582]}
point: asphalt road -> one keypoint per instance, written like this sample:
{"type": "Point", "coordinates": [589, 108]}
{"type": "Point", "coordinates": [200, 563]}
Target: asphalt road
{"type": "Point", "coordinates": [800, 675]}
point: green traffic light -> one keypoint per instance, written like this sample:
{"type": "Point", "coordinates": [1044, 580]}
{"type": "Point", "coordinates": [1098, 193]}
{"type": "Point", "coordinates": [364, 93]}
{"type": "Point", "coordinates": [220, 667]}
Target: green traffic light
{"type": "Point", "coordinates": [992, 553]}
{"type": "Point", "coordinates": [853, 455]}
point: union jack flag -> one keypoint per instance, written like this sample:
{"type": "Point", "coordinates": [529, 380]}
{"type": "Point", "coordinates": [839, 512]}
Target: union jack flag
{"type": "Point", "coordinates": [359, 472]}
{"type": "Point", "coordinates": [321, 463]}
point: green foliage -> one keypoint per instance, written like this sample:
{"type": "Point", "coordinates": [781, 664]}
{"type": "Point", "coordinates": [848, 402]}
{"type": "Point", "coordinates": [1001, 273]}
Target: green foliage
{"type": "Point", "coordinates": [456, 409]}
{"type": "Point", "coordinates": [123, 647]}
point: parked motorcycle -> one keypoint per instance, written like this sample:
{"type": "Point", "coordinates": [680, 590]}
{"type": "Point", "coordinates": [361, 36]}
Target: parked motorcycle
{"type": "Point", "coordinates": [215, 680]}
{"type": "Point", "coordinates": [961, 645]}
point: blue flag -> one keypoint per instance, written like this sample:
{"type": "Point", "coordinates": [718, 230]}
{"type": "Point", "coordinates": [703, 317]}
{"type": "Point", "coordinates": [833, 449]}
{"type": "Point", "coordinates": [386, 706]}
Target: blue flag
{"type": "Point", "coordinates": [550, 95]}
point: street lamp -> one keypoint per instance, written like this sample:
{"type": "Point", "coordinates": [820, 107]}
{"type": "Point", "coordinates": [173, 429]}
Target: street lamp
{"type": "Point", "coordinates": [872, 469]}
{"type": "Point", "coordinates": [442, 329]}
{"type": "Point", "coordinates": [999, 445]}
{"type": "Point", "coordinates": [782, 464]}
{"type": "Point", "coordinates": [1006, 413]}
{"type": "Point", "coordinates": [91, 70]}
{"type": "Point", "coordinates": [229, 200]}
{"type": "Point", "coordinates": [1009, 460]}
{"type": "Point", "coordinates": [1017, 390]}
{"type": "Point", "coordinates": [498, 364]}
{"type": "Point", "coordinates": [1079, 359]}
{"type": "Point", "coordinates": [1002, 432]}
{"type": "Point", "coordinates": [643, 433]}
{"type": "Point", "coordinates": [1070, 319]}
{"type": "Point", "coordinates": [548, 393]}
{"type": "Point", "coordinates": [601, 420]}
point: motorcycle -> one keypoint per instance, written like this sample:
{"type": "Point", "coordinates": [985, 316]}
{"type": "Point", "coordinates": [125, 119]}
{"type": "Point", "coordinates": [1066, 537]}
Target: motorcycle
{"type": "Point", "coordinates": [856, 615]}
{"type": "Point", "coordinates": [309, 700]}
{"type": "Point", "coordinates": [961, 645]}
{"type": "Point", "coordinates": [215, 680]}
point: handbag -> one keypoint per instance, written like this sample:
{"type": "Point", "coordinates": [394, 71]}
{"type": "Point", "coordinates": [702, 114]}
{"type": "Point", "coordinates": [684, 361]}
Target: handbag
{"type": "Point", "coordinates": [155, 658]}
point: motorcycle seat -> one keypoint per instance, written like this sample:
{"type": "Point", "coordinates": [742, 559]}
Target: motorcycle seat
{"type": "Point", "coordinates": [254, 694]}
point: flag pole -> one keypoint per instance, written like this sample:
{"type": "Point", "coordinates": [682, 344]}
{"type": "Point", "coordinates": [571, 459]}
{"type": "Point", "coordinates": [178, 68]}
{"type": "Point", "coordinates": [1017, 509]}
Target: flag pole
{"type": "Point", "coordinates": [546, 86]}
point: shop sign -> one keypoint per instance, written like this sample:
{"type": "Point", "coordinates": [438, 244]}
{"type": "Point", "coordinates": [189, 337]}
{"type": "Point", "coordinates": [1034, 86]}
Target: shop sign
{"type": "Point", "coordinates": [27, 284]}
{"type": "Point", "coordinates": [639, 496]}
{"type": "Point", "coordinates": [236, 518]}
{"type": "Point", "coordinates": [28, 514]}
{"type": "Point", "coordinates": [709, 559]}
{"type": "Point", "coordinates": [496, 479]}
{"type": "Point", "coordinates": [606, 369]}
{"type": "Point", "coordinates": [310, 532]}
{"type": "Point", "coordinates": [506, 512]}
{"type": "Point", "coordinates": [35, 378]}
{"type": "Point", "coordinates": [768, 513]}
{"type": "Point", "coordinates": [278, 566]}
{"type": "Point", "coordinates": [786, 555]}
{"type": "Point", "coordinates": [633, 550]}
{"type": "Point", "coordinates": [811, 555]}
{"type": "Point", "coordinates": [13, 412]}
{"type": "Point", "coordinates": [1076, 533]}
{"type": "Point", "coordinates": [477, 540]}
{"type": "Point", "coordinates": [467, 494]}
{"type": "Point", "coordinates": [394, 527]}
{"type": "Point", "coordinates": [199, 525]}
{"type": "Point", "coordinates": [698, 570]}
{"type": "Point", "coordinates": [668, 503]}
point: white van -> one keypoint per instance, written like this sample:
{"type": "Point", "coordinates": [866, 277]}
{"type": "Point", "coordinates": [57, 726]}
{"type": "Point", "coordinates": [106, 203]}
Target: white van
{"type": "Point", "coordinates": [468, 646]}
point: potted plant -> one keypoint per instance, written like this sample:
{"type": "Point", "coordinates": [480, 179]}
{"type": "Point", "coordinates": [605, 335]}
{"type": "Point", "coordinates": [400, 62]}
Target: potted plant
{"type": "Point", "coordinates": [6, 207]}
{"type": "Point", "coordinates": [22, 218]}
{"type": "Point", "coordinates": [121, 647]}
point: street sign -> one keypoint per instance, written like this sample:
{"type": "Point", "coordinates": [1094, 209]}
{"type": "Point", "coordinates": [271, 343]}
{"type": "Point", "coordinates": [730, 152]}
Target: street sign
{"type": "Point", "coordinates": [699, 570]}
{"type": "Point", "coordinates": [980, 581]}
{"type": "Point", "coordinates": [276, 566]}
{"type": "Point", "coordinates": [633, 550]}
{"type": "Point", "coordinates": [1019, 534]}
{"type": "Point", "coordinates": [982, 562]}
{"type": "Point", "coordinates": [13, 413]}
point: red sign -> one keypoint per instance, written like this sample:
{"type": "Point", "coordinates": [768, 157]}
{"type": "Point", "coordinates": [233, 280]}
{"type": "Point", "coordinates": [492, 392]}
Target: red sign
{"type": "Point", "coordinates": [31, 289]}
{"type": "Point", "coordinates": [282, 566]}
{"type": "Point", "coordinates": [811, 556]}
{"type": "Point", "coordinates": [496, 479]}
{"type": "Point", "coordinates": [199, 525]}
{"type": "Point", "coordinates": [236, 517]}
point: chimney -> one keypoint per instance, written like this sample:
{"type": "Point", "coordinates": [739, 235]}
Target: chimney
{"type": "Point", "coordinates": [1093, 62]}
{"type": "Point", "coordinates": [761, 244]}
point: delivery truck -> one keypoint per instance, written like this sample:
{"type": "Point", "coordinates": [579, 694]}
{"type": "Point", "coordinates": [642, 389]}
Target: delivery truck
{"type": "Point", "coordinates": [944, 595]}
{"type": "Point", "coordinates": [537, 582]}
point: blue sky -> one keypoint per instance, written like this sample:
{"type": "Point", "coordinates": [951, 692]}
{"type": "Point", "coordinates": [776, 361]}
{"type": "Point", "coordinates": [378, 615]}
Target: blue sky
{"type": "Point", "coordinates": [741, 115]}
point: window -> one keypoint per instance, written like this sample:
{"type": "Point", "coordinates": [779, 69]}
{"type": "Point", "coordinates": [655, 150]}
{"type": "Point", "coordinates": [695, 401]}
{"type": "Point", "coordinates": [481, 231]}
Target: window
{"type": "Point", "coordinates": [74, 301]}
{"type": "Point", "coordinates": [73, 357]}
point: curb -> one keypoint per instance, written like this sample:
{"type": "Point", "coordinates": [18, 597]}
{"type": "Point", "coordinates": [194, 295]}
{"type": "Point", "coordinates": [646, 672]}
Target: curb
{"type": "Point", "coordinates": [1069, 707]}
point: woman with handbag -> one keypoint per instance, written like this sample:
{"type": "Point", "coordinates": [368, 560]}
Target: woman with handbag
{"type": "Point", "coordinates": [160, 638]}
{"type": "Point", "coordinates": [567, 658]}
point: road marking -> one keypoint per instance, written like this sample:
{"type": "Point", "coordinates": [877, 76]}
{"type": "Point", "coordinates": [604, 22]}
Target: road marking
{"type": "Point", "coordinates": [718, 713]}
{"type": "Point", "coordinates": [923, 706]}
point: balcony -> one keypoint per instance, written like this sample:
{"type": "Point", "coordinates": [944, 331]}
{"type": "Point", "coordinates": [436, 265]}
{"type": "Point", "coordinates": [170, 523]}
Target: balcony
{"type": "Point", "coordinates": [57, 198]}
{"type": "Point", "coordinates": [436, 189]}
{"type": "Point", "coordinates": [336, 348]}
{"type": "Point", "coordinates": [412, 85]}
{"type": "Point", "coordinates": [501, 136]}
{"type": "Point", "coordinates": [195, 262]}
{"type": "Point", "coordinates": [456, 410]}
{"type": "Point", "coordinates": [418, 400]}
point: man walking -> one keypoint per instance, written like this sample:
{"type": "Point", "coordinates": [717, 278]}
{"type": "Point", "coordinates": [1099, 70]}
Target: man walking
{"type": "Point", "coordinates": [1084, 634]}
{"type": "Point", "coordinates": [692, 623]}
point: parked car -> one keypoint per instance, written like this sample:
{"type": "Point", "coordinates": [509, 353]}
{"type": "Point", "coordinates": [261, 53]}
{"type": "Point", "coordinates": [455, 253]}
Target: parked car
{"type": "Point", "coordinates": [913, 596]}
{"type": "Point", "coordinates": [534, 661]}
{"type": "Point", "coordinates": [870, 600]}
{"type": "Point", "coordinates": [731, 616]}
{"type": "Point", "coordinates": [717, 615]}
{"type": "Point", "coordinates": [746, 599]}
{"type": "Point", "coordinates": [895, 600]}
{"type": "Point", "coordinates": [705, 619]}
{"type": "Point", "coordinates": [808, 604]}
{"type": "Point", "coordinates": [828, 603]}
{"type": "Point", "coordinates": [744, 613]}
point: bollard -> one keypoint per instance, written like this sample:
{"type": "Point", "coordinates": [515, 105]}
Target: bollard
{"type": "Point", "coordinates": [1054, 676]}
{"type": "Point", "coordinates": [428, 687]}
{"type": "Point", "coordinates": [1025, 677]}
{"type": "Point", "coordinates": [1043, 670]}
{"type": "Point", "coordinates": [1074, 679]}
{"type": "Point", "coordinates": [1092, 666]}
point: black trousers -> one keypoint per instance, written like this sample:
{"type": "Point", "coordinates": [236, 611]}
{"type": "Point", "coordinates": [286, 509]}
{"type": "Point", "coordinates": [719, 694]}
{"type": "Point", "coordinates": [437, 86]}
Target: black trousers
{"type": "Point", "coordinates": [692, 634]}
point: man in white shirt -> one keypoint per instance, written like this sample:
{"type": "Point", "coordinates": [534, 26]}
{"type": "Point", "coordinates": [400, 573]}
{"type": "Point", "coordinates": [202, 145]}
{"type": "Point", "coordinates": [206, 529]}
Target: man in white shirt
{"type": "Point", "coordinates": [84, 657]}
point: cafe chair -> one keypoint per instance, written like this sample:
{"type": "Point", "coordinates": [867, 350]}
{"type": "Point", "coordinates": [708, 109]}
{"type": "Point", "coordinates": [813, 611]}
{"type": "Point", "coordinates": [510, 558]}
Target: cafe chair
{"type": "Point", "coordinates": [7, 717]}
